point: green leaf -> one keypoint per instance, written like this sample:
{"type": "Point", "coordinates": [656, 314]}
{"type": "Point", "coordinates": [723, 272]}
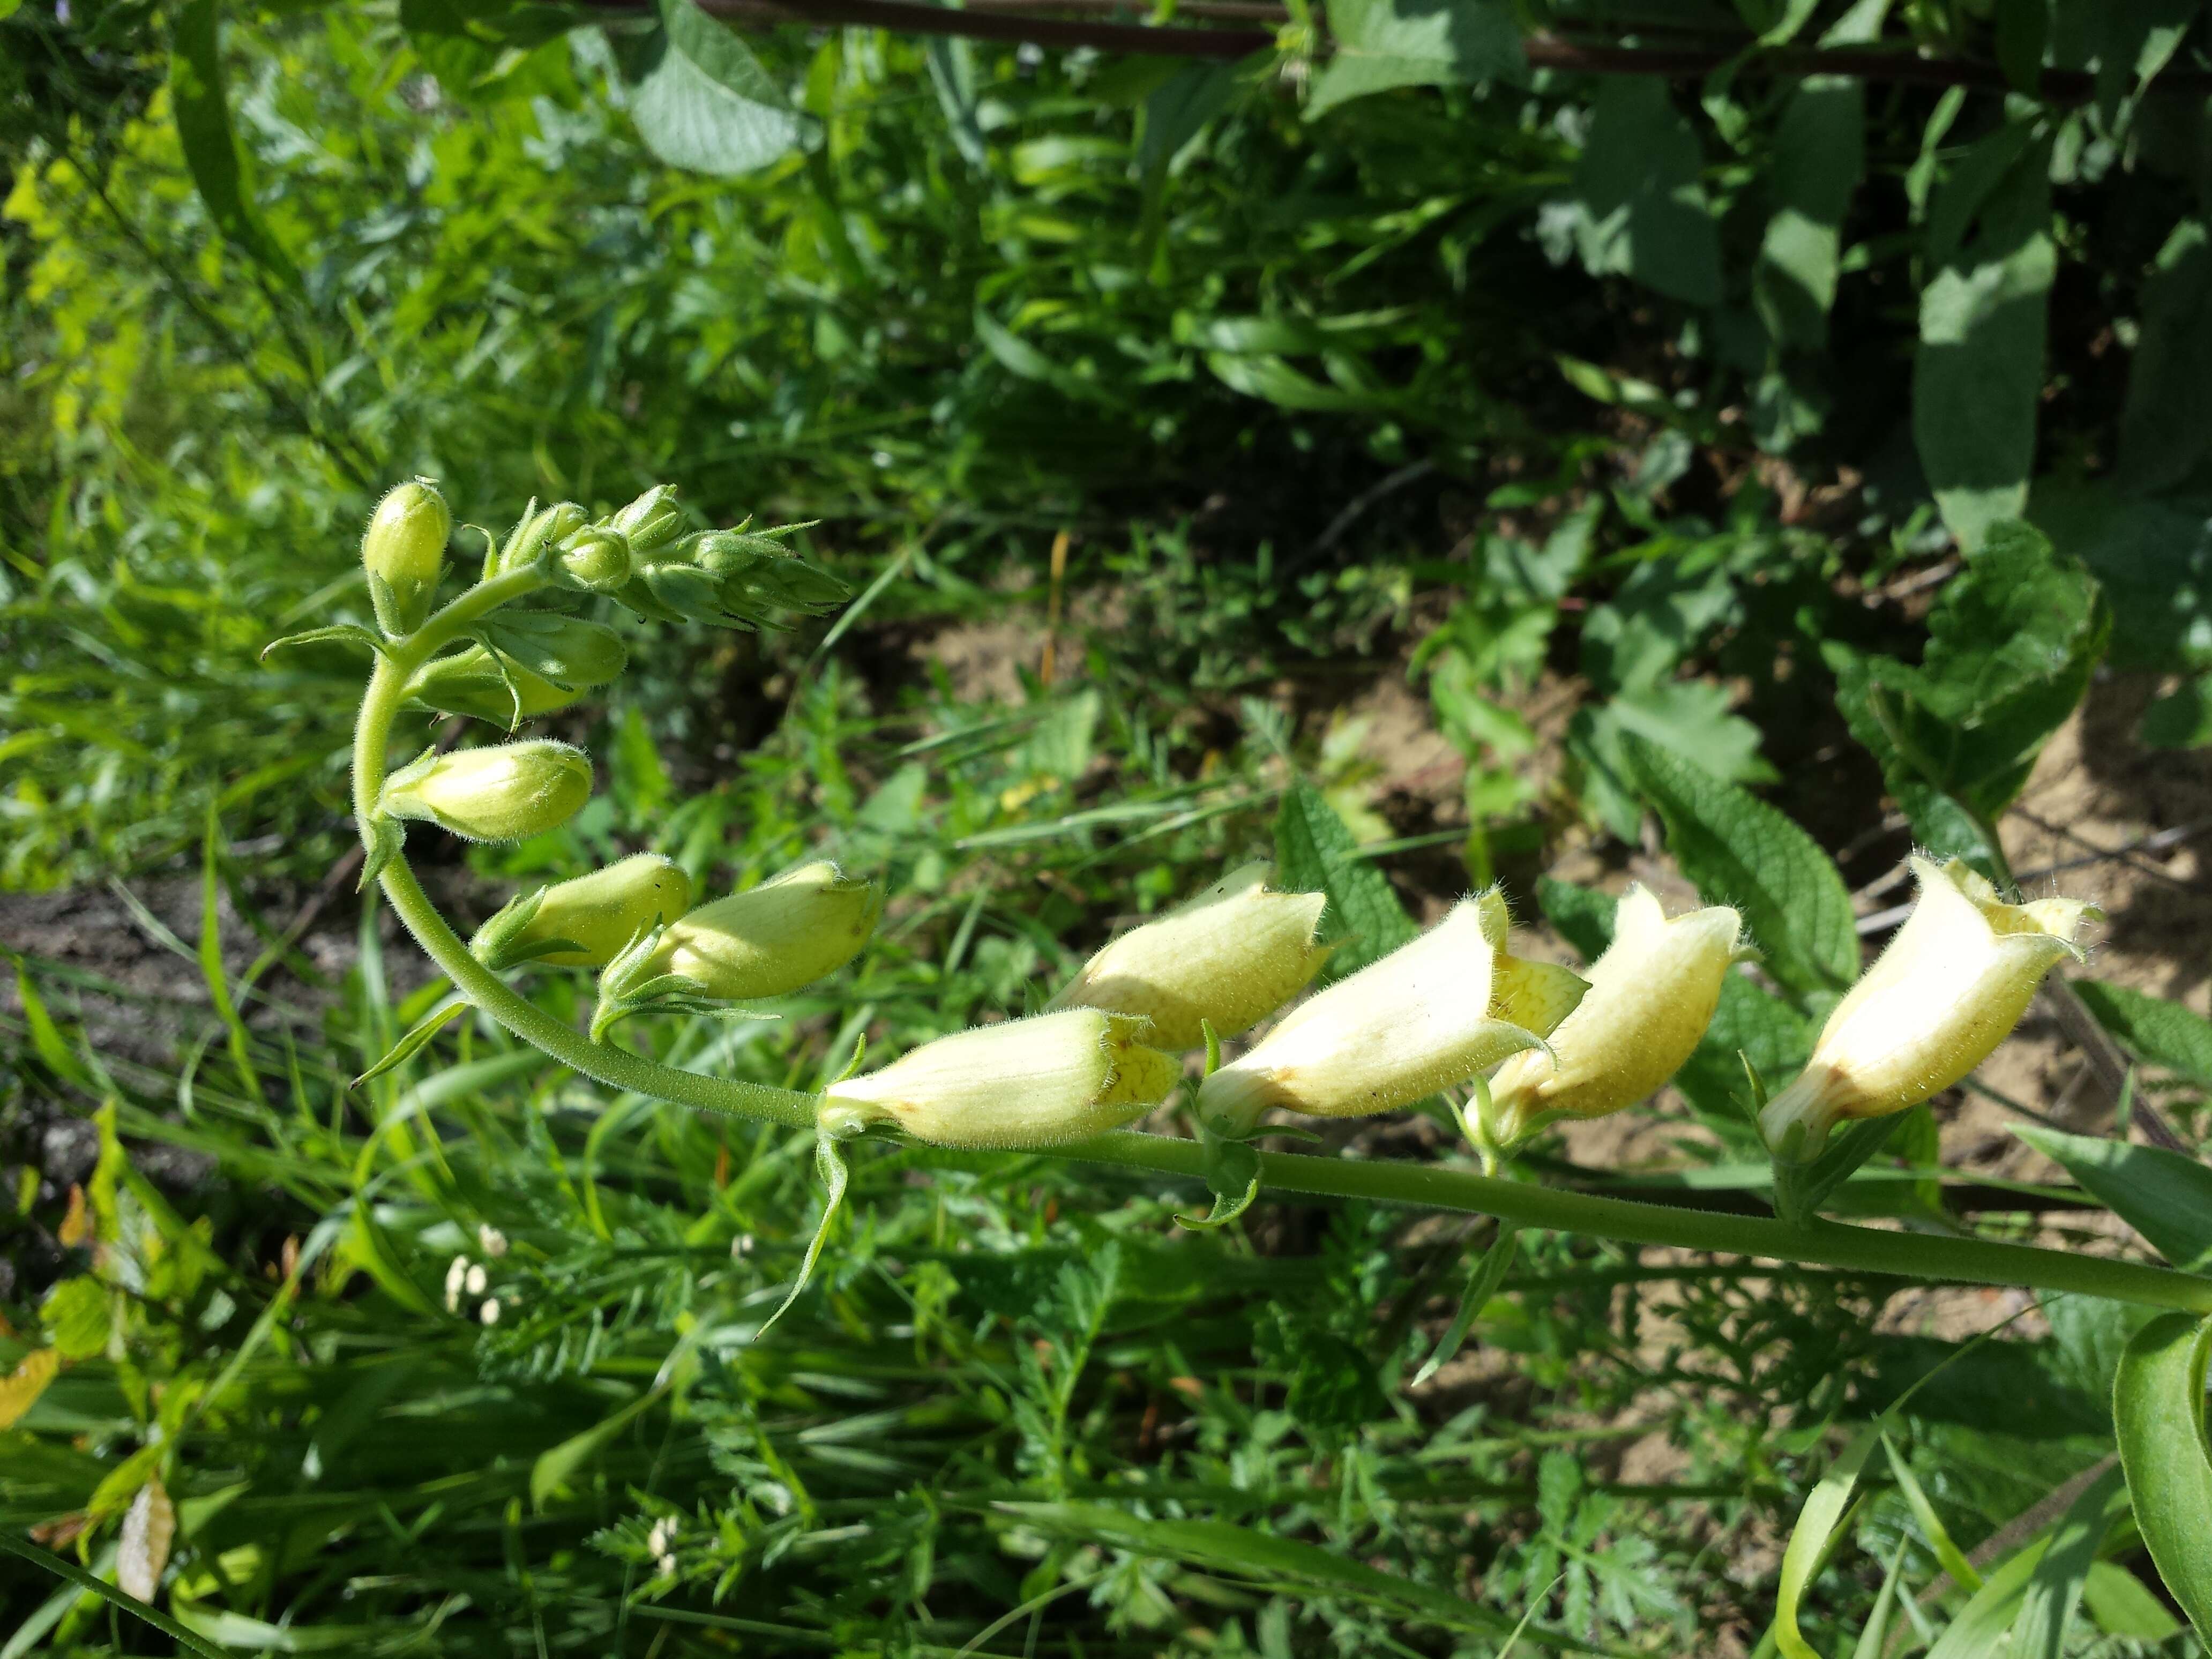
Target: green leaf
{"type": "Point", "coordinates": [1819, 156]}
{"type": "Point", "coordinates": [1175, 111]}
{"type": "Point", "coordinates": [1316, 853]}
{"type": "Point", "coordinates": [482, 50]}
{"type": "Point", "coordinates": [2123, 1606]}
{"type": "Point", "coordinates": [2165, 1197]}
{"type": "Point", "coordinates": [1808, 1548]}
{"type": "Point", "coordinates": [557, 1465]}
{"type": "Point", "coordinates": [1264, 1559]}
{"type": "Point", "coordinates": [566, 650]}
{"type": "Point", "coordinates": [1383, 44]}
{"type": "Point", "coordinates": [1979, 1630]}
{"type": "Point", "coordinates": [2023, 30]}
{"type": "Point", "coordinates": [78, 1314]}
{"type": "Point", "coordinates": [2158, 1408]}
{"type": "Point", "coordinates": [2181, 719]}
{"type": "Point", "coordinates": [1948, 1555]}
{"type": "Point", "coordinates": [350, 632]}
{"type": "Point", "coordinates": [2153, 560]}
{"type": "Point", "coordinates": [2165, 427]}
{"type": "Point", "coordinates": [701, 100]}
{"type": "Point", "coordinates": [1751, 1023]}
{"type": "Point", "coordinates": [218, 166]}
{"type": "Point", "coordinates": [1232, 1174]}
{"type": "Point", "coordinates": [2152, 1028]}
{"type": "Point", "coordinates": [1978, 377]}
{"type": "Point", "coordinates": [420, 1034]}
{"type": "Point", "coordinates": [1483, 1279]}
{"type": "Point", "coordinates": [2055, 1589]}
{"type": "Point", "coordinates": [1740, 851]}
{"type": "Point", "coordinates": [1643, 202]}
{"type": "Point", "coordinates": [1689, 718]}
{"type": "Point", "coordinates": [835, 1176]}
{"type": "Point", "coordinates": [1582, 915]}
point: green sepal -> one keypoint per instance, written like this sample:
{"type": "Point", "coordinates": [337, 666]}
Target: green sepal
{"type": "Point", "coordinates": [351, 633]}
{"type": "Point", "coordinates": [417, 1036]}
{"type": "Point", "coordinates": [1232, 1174]}
{"type": "Point", "coordinates": [1482, 1282]}
{"type": "Point", "coordinates": [1800, 1187]}
{"type": "Point", "coordinates": [628, 986]}
{"type": "Point", "coordinates": [379, 846]}
{"type": "Point", "coordinates": [829, 1164]}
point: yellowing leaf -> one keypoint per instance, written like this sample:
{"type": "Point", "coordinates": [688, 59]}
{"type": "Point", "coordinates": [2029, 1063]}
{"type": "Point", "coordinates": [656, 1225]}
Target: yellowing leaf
{"type": "Point", "coordinates": [145, 1549]}
{"type": "Point", "coordinates": [21, 1389]}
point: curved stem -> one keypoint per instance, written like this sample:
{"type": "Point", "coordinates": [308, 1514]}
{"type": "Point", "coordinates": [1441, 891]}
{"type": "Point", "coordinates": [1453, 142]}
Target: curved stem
{"type": "Point", "coordinates": [1822, 1243]}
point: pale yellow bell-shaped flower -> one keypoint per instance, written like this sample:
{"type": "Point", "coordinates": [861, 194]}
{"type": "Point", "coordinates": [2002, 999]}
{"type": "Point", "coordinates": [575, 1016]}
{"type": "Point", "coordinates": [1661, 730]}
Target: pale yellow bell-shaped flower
{"type": "Point", "coordinates": [1434, 1012]}
{"type": "Point", "coordinates": [1027, 1083]}
{"type": "Point", "coordinates": [1228, 958]}
{"type": "Point", "coordinates": [599, 914]}
{"type": "Point", "coordinates": [1651, 995]}
{"type": "Point", "coordinates": [504, 792]}
{"type": "Point", "coordinates": [773, 938]}
{"type": "Point", "coordinates": [1953, 983]}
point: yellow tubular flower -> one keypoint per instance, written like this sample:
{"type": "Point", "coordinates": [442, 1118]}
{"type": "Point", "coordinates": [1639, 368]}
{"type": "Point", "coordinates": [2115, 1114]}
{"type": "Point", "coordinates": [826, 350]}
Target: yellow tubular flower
{"type": "Point", "coordinates": [1230, 957]}
{"type": "Point", "coordinates": [773, 938]}
{"type": "Point", "coordinates": [1651, 995]}
{"type": "Point", "coordinates": [1952, 985]}
{"type": "Point", "coordinates": [1025, 1084]}
{"type": "Point", "coordinates": [1439, 1010]}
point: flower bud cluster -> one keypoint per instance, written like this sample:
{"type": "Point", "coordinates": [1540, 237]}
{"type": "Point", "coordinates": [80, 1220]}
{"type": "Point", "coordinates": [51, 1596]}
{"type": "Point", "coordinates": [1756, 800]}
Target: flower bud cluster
{"type": "Point", "coordinates": [402, 553]}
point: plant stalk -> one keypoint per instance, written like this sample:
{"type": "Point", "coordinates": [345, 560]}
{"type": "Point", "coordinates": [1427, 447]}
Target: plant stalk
{"type": "Point", "coordinates": [1818, 1243]}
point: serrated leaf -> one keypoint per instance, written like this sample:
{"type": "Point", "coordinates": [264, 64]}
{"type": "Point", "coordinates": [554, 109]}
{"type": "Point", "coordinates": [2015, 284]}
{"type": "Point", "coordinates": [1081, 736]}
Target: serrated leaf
{"type": "Point", "coordinates": [1741, 851]}
{"type": "Point", "coordinates": [2165, 1197]}
{"type": "Point", "coordinates": [2152, 1029]}
{"type": "Point", "coordinates": [701, 100]}
{"type": "Point", "coordinates": [1316, 853]}
{"type": "Point", "coordinates": [1383, 44]}
{"type": "Point", "coordinates": [2157, 1409]}
{"type": "Point", "coordinates": [202, 108]}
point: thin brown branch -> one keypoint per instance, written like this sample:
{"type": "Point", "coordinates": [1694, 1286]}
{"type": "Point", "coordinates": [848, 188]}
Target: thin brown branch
{"type": "Point", "coordinates": [1017, 22]}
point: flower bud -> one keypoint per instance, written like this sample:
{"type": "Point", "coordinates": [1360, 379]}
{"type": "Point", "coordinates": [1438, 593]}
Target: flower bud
{"type": "Point", "coordinates": [1953, 983]}
{"type": "Point", "coordinates": [503, 793]}
{"type": "Point", "coordinates": [1230, 957]}
{"type": "Point", "coordinates": [774, 937]}
{"type": "Point", "coordinates": [1651, 995]}
{"type": "Point", "coordinates": [402, 550]}
{"type": "Point", "coordinates": [598, 561]}
{"type": "Point", "coordinates": [539, 532]}
{"type": "Point", "coordinates": [1028, 1083]}
{"type": "Point", "coordinates": [652, 520]}
{"type": "Point", "coordinates": [1432, 1014]}
{"type": "Point", "coordinates": [600, 913]}
{"type": "Point", "coordinates": [470, 682]}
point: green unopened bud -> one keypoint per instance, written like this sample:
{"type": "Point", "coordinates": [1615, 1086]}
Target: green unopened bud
{"type": "Point", "coordinates": [402, 551]}
{"type": "Point", "coordinates": [1029, 1083]}
{"type": "Point", "coordinates": [1230, 958]}
{"type": "Point", "coordinates": [1651, 995]}
{"type": "Point", "coordinates": [651, 521]}
{"type": "Point", "coordinates": [1951, 987]}
{"type": "Point", "coordinates": [773, 938]}
{"type": "Point", "coordinates": [540, 533]}
{"type": "Point", "coordinates": [1434, 1013]}
{"type": "Point", "coordinates": [470, 682]}
{"type": "Point", "coordinates": [503, 792]}
{"type": "Point", "coordinates": [599, 915]}
{"type": "Point", "coordinates": [596, 560]}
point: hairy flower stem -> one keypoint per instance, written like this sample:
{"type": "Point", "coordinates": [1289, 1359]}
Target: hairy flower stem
{"type": "Point", "coordinates": [1816, 1243]}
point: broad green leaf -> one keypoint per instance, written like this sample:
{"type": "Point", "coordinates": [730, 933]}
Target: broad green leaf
{"type": "Point", "coordinates": [1316, 853]}
{"type": "Point", "coordinates": [1817, 1520]}
{"type": "Point", "coordinates": [2166, 426]}
{"type": "Point", "coordinates": [1687, 718]}
{"type": "Point", "coordinates": [2165, 1197]}
{"type": "Point", "coordinates": [2152, 1029]}
{"type": "Point", "coordinates": [218, 166]}
{"type": "Point", "coordinates": [2152, 557]}
{"type": "Point", "coordinates": [1263, 1558]}
{"type": "Point", "coordinates": [1748, 1023]}
{"type": "Point", "coordinates": [1819, 156]}
{"type": "Point", "coordinates": [1382, 44]}
{"type": "Point", "coordinates": [2023, 31]}
{"type": "Point", "coordinates": [2158, 1408]}
{"type": "Point", "coordinates": [2122, 1605]}
{"type": "Point", "coordinates": [566, 650]}
{"type": "Point", "coordinates": [1642, 201]}
{"type": "Point", "coordinates": [1176, 110]}
{"type": "Point", "coordinates": [1978, 1631]}
{"type": "Point", "coordinates": [2055, 1590]}
{"type": "Point", "coordinates": [1978, 377]}
{"type": "Point", "coordinates": [701, 100]}
{"type": "Point", "coordinates": [77, 1314]}
{"type": "Point", "coordinates": [1582, 915]}
{"type": "Point", "coordinates": [1741, 851]}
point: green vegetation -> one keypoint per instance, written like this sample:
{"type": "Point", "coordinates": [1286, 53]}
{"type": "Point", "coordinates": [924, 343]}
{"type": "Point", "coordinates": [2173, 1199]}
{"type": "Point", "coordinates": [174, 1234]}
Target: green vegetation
{"type": "Point", "coordinates": [1753, 458]}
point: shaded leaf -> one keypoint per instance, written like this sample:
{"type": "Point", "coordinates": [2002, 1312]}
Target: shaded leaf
{"type": "Point", "coordinates": [701, 100]}
{"type": "Point", "coordinates": [2152, 1029]}
{"type": "Point", "coordinates": [2158, 1408]}
{"type": "Point", "coordinates": [2165, 1197]}
{"type": "Point", "coordinates": [1382, 44]}
{"type": "Point", "coordinates": [1316, 853]}
{"type": "Point", "coordinates": [1640, 196]}
{"type": "Point", "coordinates": [218, 166]}
{"type": "Point", "coordinates": [2165, 427]}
